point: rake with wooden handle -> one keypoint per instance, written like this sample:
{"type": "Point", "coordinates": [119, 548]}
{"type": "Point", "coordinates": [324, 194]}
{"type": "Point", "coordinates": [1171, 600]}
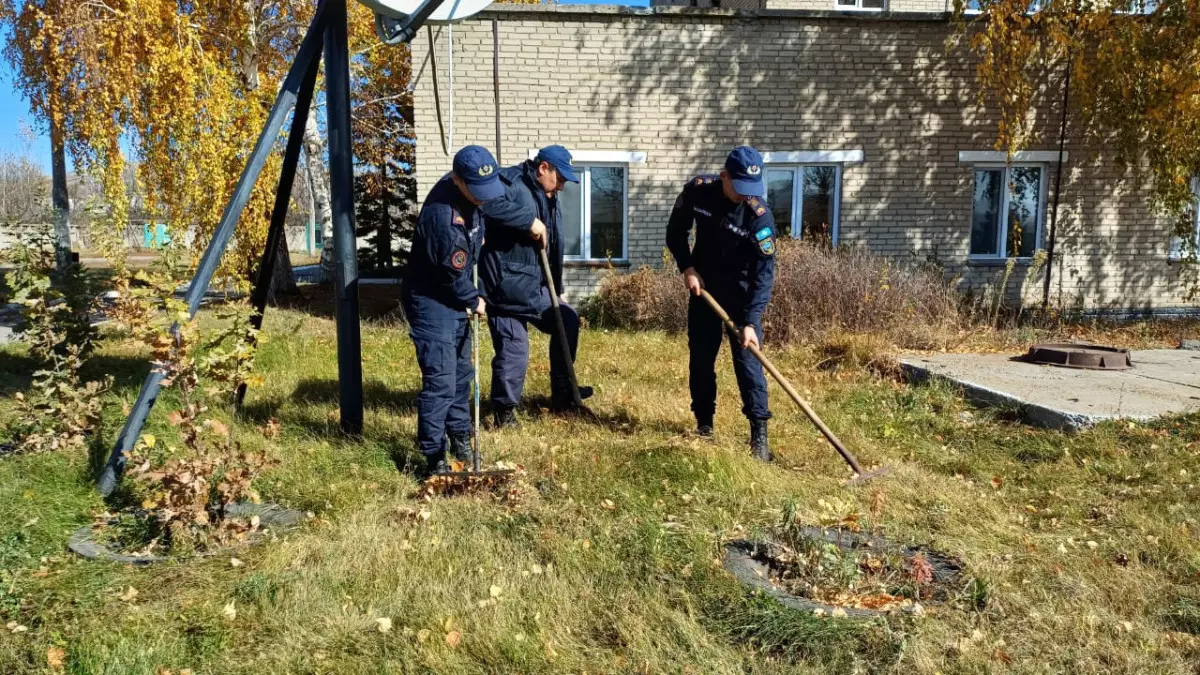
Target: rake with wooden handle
{"type": "Point", "coordinates": [860, 476]}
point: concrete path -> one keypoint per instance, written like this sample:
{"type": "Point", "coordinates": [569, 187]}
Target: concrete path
{"type": "Point", "coordinates": [1161, 382]}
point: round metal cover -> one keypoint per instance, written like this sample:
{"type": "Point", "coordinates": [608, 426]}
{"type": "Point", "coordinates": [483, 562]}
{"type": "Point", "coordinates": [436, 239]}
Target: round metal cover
{"type": "Point", "coordinates": [1068, 355]}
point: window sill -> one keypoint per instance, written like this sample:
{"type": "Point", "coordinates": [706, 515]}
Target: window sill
{"type": "Point", "coordinates": [998, 262]}
{"type": "Point", "coordinates": [594, 264]}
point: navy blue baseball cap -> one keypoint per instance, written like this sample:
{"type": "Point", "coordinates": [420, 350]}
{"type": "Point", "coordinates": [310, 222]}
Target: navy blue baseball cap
{"type": "Point", "coordinates": [559, 158]}
{"type": "Point", "coordinates": [745, 167]}
{"type": "Point", "coordinates": [477, 168]}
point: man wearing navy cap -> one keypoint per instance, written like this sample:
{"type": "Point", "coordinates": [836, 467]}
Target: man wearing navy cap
{"type": "Point", "coordinates": [512, 280]}
{"type": "Point", "coordinates": [438, 292]}
{"type": "Point", "coordinates": [734, 260]}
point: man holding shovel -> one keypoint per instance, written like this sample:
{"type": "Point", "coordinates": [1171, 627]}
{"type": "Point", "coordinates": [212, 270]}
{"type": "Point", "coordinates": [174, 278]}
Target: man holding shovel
{"type": "Point", "coordinates": [734, 260]}
{"type": "Point", "coordinates": [515, 286]}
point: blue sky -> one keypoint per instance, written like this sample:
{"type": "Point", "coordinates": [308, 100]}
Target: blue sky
{"type": "Point", "coordinates": [15, 115]}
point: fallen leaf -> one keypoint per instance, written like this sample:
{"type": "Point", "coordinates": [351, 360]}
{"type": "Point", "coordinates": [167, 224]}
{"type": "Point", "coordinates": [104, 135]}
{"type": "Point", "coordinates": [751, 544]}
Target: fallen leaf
{"type": "Point", "coordinates": [997, 482]}
{"type": "Point", "coordinates": [56, 657]}
{"type": "Point", "coordinates": [129, 594]}
{"type": "Point", "coordinates": [423, 635]}
{"type": "Point", "coordinates": [495, 591]}
{"type": "Point", "coordinates": [453, 638]}
{"type": "Point", "coordinates": [230, 611]}
{"type": "Point", "coordinates": [383, 624]}
{"type": "Point", "coordinates": [234, 562]}
{"type": "Point", "coordinates": [609, 505]}
{"type": "Point", "coordinates": [1001, 656]}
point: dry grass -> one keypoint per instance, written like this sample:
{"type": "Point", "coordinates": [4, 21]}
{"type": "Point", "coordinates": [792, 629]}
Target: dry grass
{"type": "Point", "coordinates": [818, 293]}
{"type": "Point", "coordinates": [1085, 546]}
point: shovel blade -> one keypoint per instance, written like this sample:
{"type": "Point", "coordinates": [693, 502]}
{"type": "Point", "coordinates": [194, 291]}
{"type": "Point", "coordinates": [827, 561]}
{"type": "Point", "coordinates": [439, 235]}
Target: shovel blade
{"type": "Point", "coordinates": [865, 477]}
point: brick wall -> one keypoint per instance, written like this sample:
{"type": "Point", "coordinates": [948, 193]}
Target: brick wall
{"type": "Point", "coordinates": [685, 85]}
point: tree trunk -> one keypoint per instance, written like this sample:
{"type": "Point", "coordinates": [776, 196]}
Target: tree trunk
{"type": "Point", "coordinates": [60, 199]}
{"type": "Point", "coordinates": [283, 280]}
{"type": "Point", "coordinates": [314, 153]}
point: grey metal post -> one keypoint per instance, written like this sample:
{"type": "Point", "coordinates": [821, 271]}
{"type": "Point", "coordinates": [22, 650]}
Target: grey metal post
{"type": "Point", "coordinates": [310, 50]}
{"type": "Point", "coordinates": [341, 182]}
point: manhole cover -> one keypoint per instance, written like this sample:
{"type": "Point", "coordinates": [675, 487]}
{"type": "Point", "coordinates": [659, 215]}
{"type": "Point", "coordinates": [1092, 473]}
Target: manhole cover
{"type": "Point", "coordinates": [1067, 355]}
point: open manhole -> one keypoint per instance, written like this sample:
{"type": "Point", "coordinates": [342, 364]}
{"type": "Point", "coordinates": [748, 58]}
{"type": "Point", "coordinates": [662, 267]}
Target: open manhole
{"type": "Point", "coordinates": [1071, 355]}
{"type": "Point", "coordinates": [839, 573]}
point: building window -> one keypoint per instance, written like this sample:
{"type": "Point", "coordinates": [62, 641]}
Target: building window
{"type": "Point", "coordinates": [1178, 250]}
{"type": "Point", "coordinates": [804, 200]}
{"type": "Point", "coordinates": [868, 5]}
{"type": "Point", "coordinates": [596, 209]}
{"type": "Point", "coordinates": [595, 223]}
{"type": "Point", "coordinates": [1006, 213]}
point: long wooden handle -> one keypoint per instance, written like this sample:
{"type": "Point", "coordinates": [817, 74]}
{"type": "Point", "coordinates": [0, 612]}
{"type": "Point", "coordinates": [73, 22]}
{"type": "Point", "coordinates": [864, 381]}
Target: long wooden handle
{"type": "Point", "coordinates": [476, 460]}
{"type": "Point", "coordinates": [562, 329]}
{"type": "Point", "coordinates": [787, 386]}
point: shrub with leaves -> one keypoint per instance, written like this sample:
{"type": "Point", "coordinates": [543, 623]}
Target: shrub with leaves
{"type": "Point", "coordinates": [184, 490]}
{"type": "Point", "coordinates": [60, 410]}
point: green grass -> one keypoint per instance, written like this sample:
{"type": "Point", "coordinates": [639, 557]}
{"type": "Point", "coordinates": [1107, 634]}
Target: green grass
{"type": "Point", "coordinates": [1082, 549]}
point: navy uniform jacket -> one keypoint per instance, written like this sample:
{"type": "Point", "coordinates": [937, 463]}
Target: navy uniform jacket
{"type": "Point", "coordinates": [735, 246]}
{"type": "Point", "coordinates": [445, 247]}
{"type": "Point", "coordinates": [510, 272]}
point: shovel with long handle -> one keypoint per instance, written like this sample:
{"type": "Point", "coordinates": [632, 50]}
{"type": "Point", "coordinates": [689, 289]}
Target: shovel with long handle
{"type": "Point", "coordinates": [562, 329]}
{"type": "Point", "coordinates": [730, 326]}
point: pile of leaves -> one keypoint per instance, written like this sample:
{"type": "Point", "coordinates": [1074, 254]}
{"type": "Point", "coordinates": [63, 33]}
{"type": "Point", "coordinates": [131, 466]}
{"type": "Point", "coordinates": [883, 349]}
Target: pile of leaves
{"type": "Point", "coordinates": [839, 564]}
{"type": "Point", "coordinates": [60, 410]}
{"type": "Point", "coordinates": [827, 573]}
{"type": "Point", "coordinates": [504, 482]}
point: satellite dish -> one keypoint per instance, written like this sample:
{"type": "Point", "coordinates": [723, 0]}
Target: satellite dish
{"type": "Point", "coordinates": [449, 10]}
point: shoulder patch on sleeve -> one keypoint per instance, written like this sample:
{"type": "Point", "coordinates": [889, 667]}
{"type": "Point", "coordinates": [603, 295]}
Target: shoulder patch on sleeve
{"type": "Point", "coordinates": [764, 233]}
{"type": "Point", "coordinates": [458, 219]}
{"type": "Point", "coordinates": [458, 260]}
{"type": "Point", "coordinates": [767, 246]}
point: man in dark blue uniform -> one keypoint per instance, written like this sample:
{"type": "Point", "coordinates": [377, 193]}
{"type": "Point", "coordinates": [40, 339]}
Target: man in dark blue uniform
{"type": "Point", "coordinates": [734, 260]}
{"type": "Point", "coordinates": [512, 280]}
{"type": "Point", "coordinates": [438, 293]}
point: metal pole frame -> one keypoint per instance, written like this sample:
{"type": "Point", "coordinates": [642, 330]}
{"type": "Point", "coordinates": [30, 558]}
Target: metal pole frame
{"type": "Point", "coordinates": [326, 34]}
{"type": "Point", "coordinates": [341, 188]}
{"type": "Point", "coordinates": [310, 52]}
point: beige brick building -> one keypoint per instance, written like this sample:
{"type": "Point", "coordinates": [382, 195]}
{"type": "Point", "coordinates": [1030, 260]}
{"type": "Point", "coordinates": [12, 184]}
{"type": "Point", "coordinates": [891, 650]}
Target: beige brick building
{"type": "Point", "coordinates": [868, 121]}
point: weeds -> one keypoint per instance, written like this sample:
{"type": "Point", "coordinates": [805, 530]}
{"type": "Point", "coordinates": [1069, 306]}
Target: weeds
{"type": "Point", "coordinates": [818, 292]}
{"type": "Point", "coordinates": [61, 411]}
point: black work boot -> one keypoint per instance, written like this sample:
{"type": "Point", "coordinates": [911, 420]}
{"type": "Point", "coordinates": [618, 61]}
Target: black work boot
{"type": "Point", "coordinates": [505, 418]}
{"type": "Point", "coordinates": [437, 465]}
{"type": "Point", "coordinates": [564, 401]}
{"type": "Point", "coordinates": [460, 446]}
{"type": "Point", "coordinates": [758, 441]}
{"type": "Point", "coordinates": [704, 426]}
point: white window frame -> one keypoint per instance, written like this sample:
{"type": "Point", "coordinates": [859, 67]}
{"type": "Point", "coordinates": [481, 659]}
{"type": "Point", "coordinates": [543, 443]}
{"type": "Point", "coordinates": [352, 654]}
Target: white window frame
{"type": "Point", "coordinates": [1002, 227]}
{"type": "Point", "coordinates": [796, 160]}
{"type": "Point", "coordinates": [857, 7]}
{"type": "Point", "coordinates": [798, 196]}
{"type": "Point", "coordinates": [1176, 253]}
{"type": "Point", "coordinates": [584, 161]}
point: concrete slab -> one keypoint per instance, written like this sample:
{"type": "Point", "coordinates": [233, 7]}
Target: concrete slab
{"type": "Point", "coordinates": [1161, 382]}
